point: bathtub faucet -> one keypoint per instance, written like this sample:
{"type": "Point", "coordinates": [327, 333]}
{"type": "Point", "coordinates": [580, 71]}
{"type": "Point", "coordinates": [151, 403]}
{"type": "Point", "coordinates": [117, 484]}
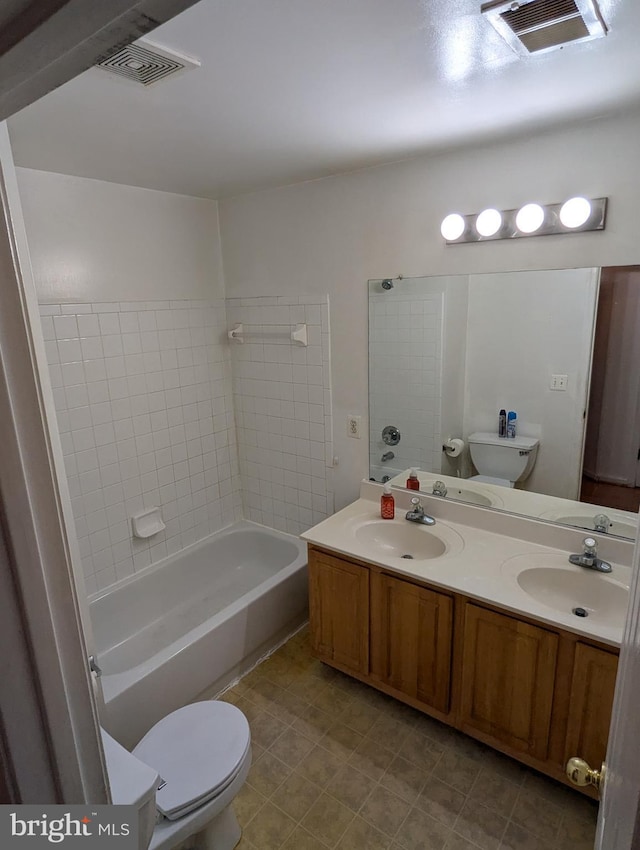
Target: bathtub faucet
{"type": "Point", "coordinates": [387, 456]}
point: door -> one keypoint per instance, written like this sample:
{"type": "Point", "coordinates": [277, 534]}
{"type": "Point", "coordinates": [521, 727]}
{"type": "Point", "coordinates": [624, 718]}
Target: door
{"type": "Point", "coordinates": [411, 639]}
{"type": "Point", "coordinates": [508, 676]}
{"type": "Point", "coordinates": [35, 504]}
{"type": "Point", "coordinates": [339, 611]}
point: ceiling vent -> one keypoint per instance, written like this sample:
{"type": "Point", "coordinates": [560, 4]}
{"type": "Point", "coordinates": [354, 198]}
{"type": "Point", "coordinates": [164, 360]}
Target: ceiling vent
{"type": "Point", "coordinates": [535, 26]}
{"type": "Point", "coordinates": [147, 63]}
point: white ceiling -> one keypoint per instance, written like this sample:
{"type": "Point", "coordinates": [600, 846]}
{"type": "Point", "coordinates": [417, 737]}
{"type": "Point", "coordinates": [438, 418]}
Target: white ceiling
{"type": "Point", "coordinates": [292, 90]}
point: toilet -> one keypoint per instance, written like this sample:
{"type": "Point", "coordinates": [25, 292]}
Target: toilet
{"type": "Point", "coordinates": [183, 776]}
{"type": "Point", "coordinates": [504, 461]}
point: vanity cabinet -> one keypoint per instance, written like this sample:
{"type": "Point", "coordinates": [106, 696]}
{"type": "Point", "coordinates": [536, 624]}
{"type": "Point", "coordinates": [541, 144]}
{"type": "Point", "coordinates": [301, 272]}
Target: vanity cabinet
{"type": "Point", "coordinates": [537, 693]}
{"type": "Point", "coordinates": [339, 599]}
{"type": "Point", "coordinates": [507, 680]}
{"type": "Point", "coordinates": [411, 639]}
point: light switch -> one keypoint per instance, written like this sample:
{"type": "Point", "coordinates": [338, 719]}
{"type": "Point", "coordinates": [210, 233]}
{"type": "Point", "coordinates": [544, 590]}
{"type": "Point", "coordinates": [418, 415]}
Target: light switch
{"type": "Point", "coordinates": [559, 382]}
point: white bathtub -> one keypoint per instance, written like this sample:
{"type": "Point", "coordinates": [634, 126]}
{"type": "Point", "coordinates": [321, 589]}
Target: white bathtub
{"type": "Point", "coordinates": [194, 622]}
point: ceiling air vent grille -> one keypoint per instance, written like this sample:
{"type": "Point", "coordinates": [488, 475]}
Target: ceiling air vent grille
{"type": "Point", "coordinates": [533, 26]}
{"type": "Point", "coordinates": [147, 63]}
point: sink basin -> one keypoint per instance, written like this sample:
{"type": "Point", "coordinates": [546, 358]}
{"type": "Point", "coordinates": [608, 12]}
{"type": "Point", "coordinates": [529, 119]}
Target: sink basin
{"type": "Point", "coordinates": [623, 529]}
{"type": "Point", "coordinates": [409, 540]}
{"type": "Point", "coordinates": [551, 580]}
{"type": "Point", "coordinates": [470, 496]}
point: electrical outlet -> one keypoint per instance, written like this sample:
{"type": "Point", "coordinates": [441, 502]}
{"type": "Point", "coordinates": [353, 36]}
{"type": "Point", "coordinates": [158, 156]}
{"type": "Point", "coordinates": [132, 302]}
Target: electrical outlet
{"type": "Point", "coordinates": [353, 426]}
{"type": "Point", "coordinates": [559, 382]}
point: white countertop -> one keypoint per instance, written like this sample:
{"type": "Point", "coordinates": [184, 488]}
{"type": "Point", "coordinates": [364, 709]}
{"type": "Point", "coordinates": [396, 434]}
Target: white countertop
{"type": "Point", "coordinates": [484, 553]}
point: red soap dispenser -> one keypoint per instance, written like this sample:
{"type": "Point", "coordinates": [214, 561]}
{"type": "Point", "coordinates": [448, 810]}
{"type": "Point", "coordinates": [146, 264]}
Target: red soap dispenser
{"type": "Point", "coordinates": [387, 503]}
{"type": "Point", "coordinates": [412, 480]}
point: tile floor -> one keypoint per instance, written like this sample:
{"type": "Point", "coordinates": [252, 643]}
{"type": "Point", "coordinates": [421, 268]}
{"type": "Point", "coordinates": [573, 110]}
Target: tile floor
{"type": "Point", "coordinates": [336, 764]}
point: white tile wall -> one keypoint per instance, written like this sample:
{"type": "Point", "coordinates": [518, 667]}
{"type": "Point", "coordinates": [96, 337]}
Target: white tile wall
{"type": "Point", "coordinates": [405, 375]}
{"type": "Point", "coordinates": [145, 410]}
{"type": "Point", "coordinates": [282, 400]}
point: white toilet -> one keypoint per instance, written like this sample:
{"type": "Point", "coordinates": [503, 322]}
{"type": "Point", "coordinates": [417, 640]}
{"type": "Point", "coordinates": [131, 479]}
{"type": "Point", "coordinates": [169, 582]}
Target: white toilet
{"type": "Point", "coordinates": [183, 776]}
{"type": "Point", "coordinates": [502, 460]}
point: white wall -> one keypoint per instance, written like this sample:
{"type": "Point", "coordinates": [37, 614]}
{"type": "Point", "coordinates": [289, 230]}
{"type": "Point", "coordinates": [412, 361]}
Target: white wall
{"type": "Point", "coordinates": [332, 235]}
{"type": "Point", "coordinates": [92, 241]}
{"type": "Point", "coordinates": [522, 328]}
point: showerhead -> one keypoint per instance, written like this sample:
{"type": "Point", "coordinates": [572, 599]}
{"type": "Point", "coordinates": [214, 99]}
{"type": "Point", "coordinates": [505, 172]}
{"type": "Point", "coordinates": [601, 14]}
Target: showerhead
{"type": "Point", "coordinates": [387, 284]}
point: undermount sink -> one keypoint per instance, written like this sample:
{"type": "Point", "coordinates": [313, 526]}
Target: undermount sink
{"type": "Point", "coordinates": [623, 529]}
{"type": "Point", "coordinates": [551, 580]}
{"type": "Point", "coordinates": [409, 540]}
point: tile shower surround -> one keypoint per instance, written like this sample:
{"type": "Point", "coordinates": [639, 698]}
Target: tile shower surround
{"type": "Point", "coordinates": [144, 406]}
{"type": "Point", "coordinates": [282, 403]}
{"type": "Point", "coordinates": [405, 343]}
{"type": "Point", "coordinates": [144, 402]}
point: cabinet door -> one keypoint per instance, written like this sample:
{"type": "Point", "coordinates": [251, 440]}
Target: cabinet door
{"type": "Point", "coordinates": [411, 637]}
{"type": "Point", "coordinates": [339, 611]}
{"type": "Point", "coordinates": [592, 686]}
{"type": "Point", "coordinates": [508, 674]}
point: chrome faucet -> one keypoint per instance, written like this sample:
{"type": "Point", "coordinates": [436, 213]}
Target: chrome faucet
{"type": "Point", "coordinates": [439, 489]}
{"type": "Point", "coordinates": [601, 523]}
{"type": "Point", "coordinates": [387, 456]}
{"type": "Point", "coordinates": [589, 558]}
{"type": "Point", "coordinates": [417, 514]}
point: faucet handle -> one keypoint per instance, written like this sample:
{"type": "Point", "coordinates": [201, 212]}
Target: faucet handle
{"type": "Point", "coordinates": [590, 546]}
{"type": "Point", "coordinates": [416, 501]}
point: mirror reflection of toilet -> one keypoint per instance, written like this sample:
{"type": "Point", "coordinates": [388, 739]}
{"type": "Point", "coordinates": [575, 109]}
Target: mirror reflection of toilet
{"type": "Point", "coordinates": [183, 776]}
{"type": "Point", "coordinates": [504, 461]}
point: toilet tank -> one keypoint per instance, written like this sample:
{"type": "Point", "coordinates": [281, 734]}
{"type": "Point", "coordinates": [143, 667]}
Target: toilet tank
{"type": "Point", "coordinates": [511, 458]}
{"type": "Point", "coordinates": [132, 783]}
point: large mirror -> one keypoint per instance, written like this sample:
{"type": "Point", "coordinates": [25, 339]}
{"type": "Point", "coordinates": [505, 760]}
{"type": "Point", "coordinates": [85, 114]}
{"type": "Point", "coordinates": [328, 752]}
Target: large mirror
{"type": "Point", "coordinates": [559, 348]}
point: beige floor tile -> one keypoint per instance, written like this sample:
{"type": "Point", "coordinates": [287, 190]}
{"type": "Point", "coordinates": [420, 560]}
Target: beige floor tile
{"type": "Point", "coordinates": [393, 731]}
{"type": "Point", "coordinates": [480, 825]}
{"type": "Point", "coordinates": [361, 835]}
{"type": "Point", "coordinates": [359, 715]}
{"type": "Point", "coordinates": [457, 770]}
{"type": "Point", "coordinates": [371, 759]}
{"type": "Point", "coordinates": [420, 750]}
{"type": "Point", "coordinates": [494, 791]}
{"type": "Point", "coordinates": [385, 810]}
{"type": "Point", "coordinates": [300, 839]}
{"type": "Point", "coordinates": [269, 828]}
{"type": "Point", "coordinates": [267, 773]}
{"type": "Point", "coordinates": [320, 766]}
{"type": "Point", "coordinates": [441, 801]}
{"type": "Point", "coordinates": [517, 838]}
{"type": "Point", "coordinates": [247, 803]}
{"type": "Point", "coordinates": [341, 740]}
{"type": "Point", "coordinates": [537, 815]}
{"type": "Point", "coordinates": [265, 729]}
{"type": "Point", "coordinates": [404, 778]}
{"type": "Point", "coordinates": [291, 747]}
{"type": "Point", "coordinates": [457, 842]}
{"type": "Point", "coordinates": [577, 832]}
{"type": "Point", "coordinates": [433, 729]}
{"type": "Point", "coordinates": [350, 787]}
{"type": "Point", "coordinates": [265, 694]}
{"type": "Point", "coordinates": [314, 723]}
{"type": "Point", "coordinates": [290, 707]}
{"type": "Point", "coordinates": [308, 686]}
{"type": "Point", "coordinates": [327, 820]}
{"type": "Point", "coordinates": [332, 700]}
{"type": "Point", "coordinates": [296, 795]}
{"type": "Point", "coordinates": [421, 832]}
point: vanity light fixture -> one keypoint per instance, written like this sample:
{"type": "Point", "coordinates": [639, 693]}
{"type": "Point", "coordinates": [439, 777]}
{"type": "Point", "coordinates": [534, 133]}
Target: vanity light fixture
{"type": "Point", "coordinates": [576, 215]}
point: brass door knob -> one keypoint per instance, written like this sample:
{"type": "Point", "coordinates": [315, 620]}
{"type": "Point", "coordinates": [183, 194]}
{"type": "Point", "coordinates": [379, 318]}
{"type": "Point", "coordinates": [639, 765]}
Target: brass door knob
{"type": "Point", "coordinates": [579, 772]}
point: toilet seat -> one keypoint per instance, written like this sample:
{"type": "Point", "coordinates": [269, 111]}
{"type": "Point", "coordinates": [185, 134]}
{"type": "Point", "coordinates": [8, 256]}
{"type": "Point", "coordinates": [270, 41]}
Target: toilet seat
{"type": "Point", "coordinates": [198, 751]}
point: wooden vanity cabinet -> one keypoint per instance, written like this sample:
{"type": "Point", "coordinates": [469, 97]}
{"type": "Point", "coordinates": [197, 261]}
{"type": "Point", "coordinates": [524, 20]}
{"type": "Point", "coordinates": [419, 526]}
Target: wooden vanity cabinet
{"type": "Point", "coordinates": [533, 691]}
{"type": "Point", "coordinates": [507, 680]}
{"type": "Point", "coordinates": [411, 639]}
{"type": "Point", "coordinates": [339, 600]}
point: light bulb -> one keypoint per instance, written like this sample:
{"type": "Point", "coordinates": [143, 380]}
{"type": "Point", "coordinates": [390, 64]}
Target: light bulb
{"type": "Point", "coordinates": [452, 227]}
{"type": "Point", "coordinates": [530, 218]}
{"type": "Point", "coordinates": [575, 212]}
{"type": "Point", "coordinates": [489, 222]}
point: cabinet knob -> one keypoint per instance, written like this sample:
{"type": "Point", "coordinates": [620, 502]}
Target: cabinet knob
{"type": "Point", "coordinates": [580, 773]}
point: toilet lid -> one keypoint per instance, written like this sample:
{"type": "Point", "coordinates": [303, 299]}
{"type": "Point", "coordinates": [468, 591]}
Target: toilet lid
{"type": "Point", "coordinates": [197, 750]}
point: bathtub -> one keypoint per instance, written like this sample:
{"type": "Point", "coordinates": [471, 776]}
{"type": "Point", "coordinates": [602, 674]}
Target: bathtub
{"type": "Point", "coordinates": [194, 622]}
